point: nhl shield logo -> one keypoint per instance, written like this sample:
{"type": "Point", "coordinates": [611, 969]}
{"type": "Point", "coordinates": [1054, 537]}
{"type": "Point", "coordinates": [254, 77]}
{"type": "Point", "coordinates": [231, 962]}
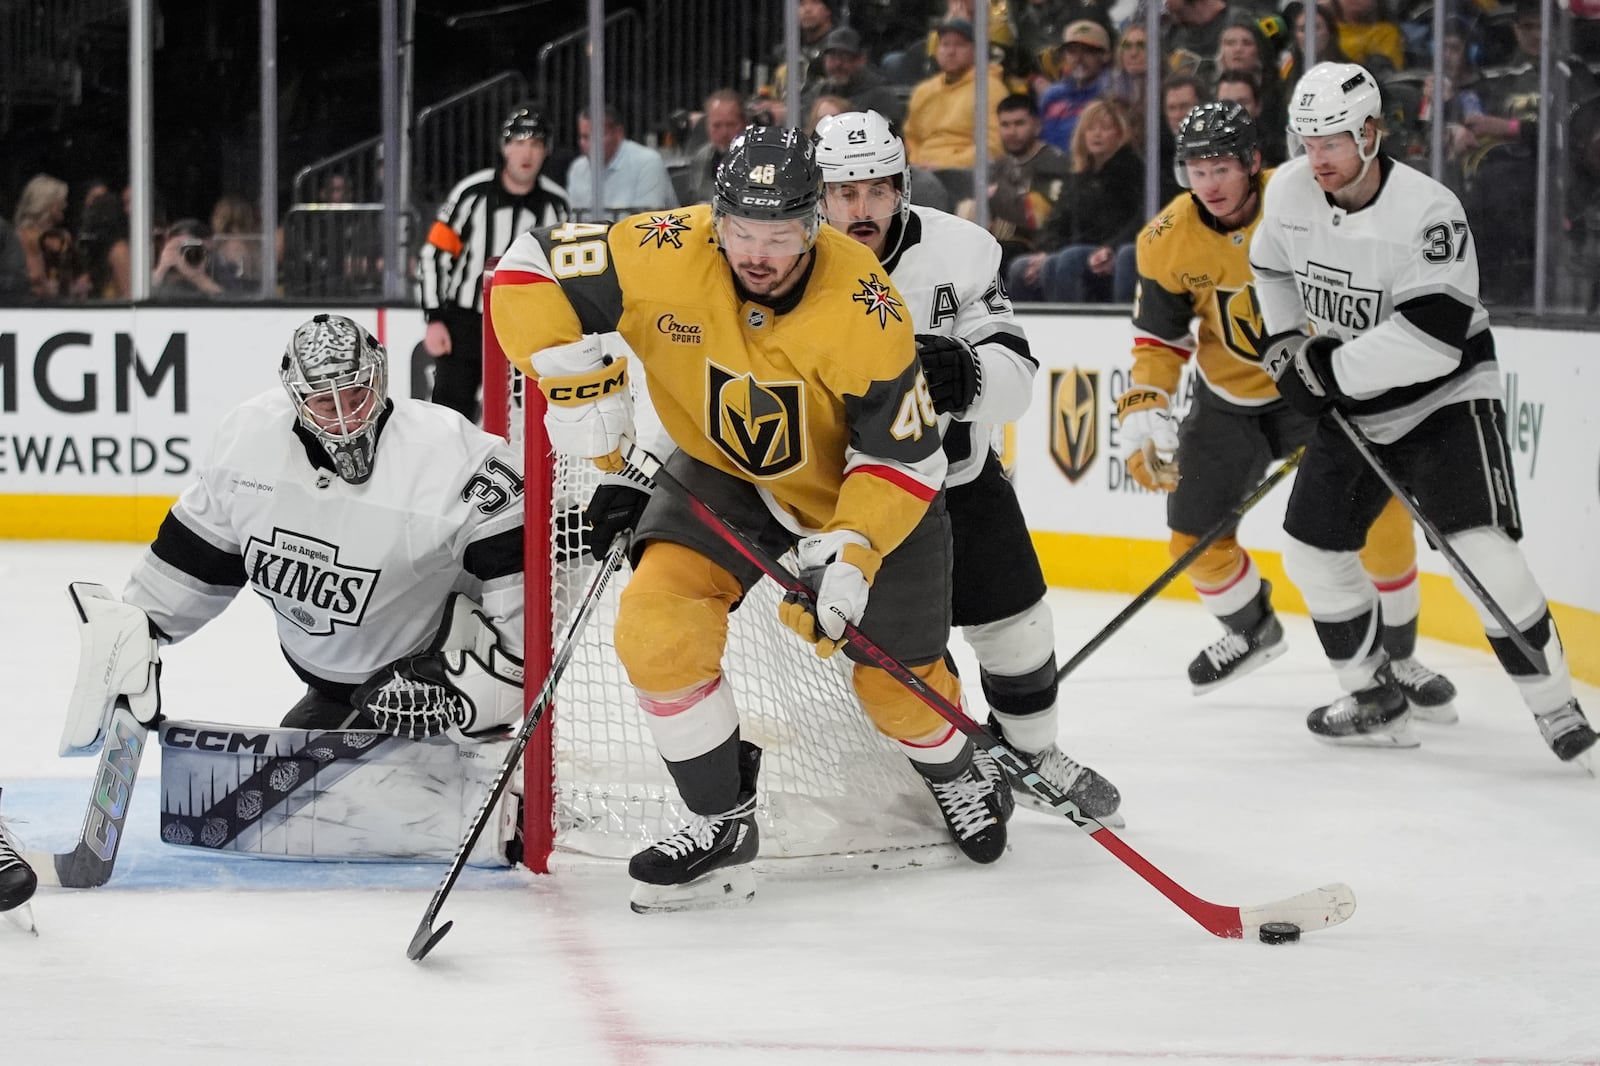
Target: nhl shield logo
{"type": "Point", "coordinates": [756, 423]}
{"type": "Point", "coordinates": [1074, 407]}
{"type": "Point", "coordinates": [756, 317]}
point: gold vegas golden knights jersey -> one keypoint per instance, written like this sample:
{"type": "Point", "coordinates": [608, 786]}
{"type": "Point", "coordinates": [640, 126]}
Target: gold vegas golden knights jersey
{"type": "Point", "coordinates": [817, 399]}
{"type": "Point", "coordinates": [1190, 269]}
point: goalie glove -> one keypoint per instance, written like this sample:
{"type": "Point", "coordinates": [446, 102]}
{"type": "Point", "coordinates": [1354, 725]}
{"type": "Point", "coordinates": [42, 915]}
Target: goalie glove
{"type": "Point", "coordinates": [616, 506]}
{"type": "Point", "coordinates": [840, 566]}
{"type": "Point", "coordinates": [589, 407]}
{"type": "Point", "coordinates": [1150, 437]}
{"type": "Point", "coordinates": [950, 366]}
{"type": "Point", "coordinates": [119, 658]}
{"type": "Point", "coordinates": [471, 685]}
{"type": "Point", "coordinates": [1303, 368]}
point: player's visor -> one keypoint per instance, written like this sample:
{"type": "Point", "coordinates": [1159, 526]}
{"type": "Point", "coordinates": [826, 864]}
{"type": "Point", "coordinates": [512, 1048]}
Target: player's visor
{"type": "Point", "coordinates": [845, 202]}
{"type": "Point", "coordinates": [771, 240]}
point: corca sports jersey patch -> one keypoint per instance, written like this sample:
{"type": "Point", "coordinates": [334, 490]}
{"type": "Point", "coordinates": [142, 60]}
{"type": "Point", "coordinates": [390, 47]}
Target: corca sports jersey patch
{"type": "Point", "coordinates": [879, 300]}
{"type": "Point", "coordinates": [664, 230]}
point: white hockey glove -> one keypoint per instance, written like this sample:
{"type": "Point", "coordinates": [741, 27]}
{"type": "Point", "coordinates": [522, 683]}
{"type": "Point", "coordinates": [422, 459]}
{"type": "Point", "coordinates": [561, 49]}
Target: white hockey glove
{"type": "Point", "coordinates": [470, 686]}
{"type": "Point", "coordinates": [118, 658]}
{"type": "Point", "coordinates": [590, 406]}
{"type": "Point", "coordinates": [840, 566]}
{"type": "Point", "coordinates": [1150, 437]}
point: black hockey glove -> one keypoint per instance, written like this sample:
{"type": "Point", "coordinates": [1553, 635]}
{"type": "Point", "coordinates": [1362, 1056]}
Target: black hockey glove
{"type": "Point", "coordinates": [1303, 368]}
{"type": "Point", "coordinates": [614, 508]}
{"type": "Point", "coordinates": [950, 366]}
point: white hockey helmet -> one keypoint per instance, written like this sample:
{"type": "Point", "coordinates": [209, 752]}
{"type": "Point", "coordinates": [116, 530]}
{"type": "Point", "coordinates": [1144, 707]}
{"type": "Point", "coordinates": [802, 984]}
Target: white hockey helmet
{"type": "Point", "coordinates": [337, 375]}
{"type": "Point", "coordinates": [860, 145]}
{"type": "Point", "coordinates": [1334, 98]}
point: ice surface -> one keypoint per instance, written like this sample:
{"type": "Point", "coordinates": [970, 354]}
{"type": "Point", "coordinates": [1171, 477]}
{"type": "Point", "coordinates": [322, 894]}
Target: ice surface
{"type": "Point", "coordinates": [1476, 860]}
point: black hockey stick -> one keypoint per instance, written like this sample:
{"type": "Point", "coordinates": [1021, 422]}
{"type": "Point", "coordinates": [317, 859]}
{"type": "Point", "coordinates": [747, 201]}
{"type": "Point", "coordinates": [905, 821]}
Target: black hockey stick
{"type": "Point", "coordinates": [423, 940]}
{"type": "Point", "coordinates": [89, 863]}
{"type": "Point", "coordinates": [1359, 441]}
{"type": "Point", "coordinates": [1181, 563]}
{"type": "Point", "coordinates": [1319, 908]}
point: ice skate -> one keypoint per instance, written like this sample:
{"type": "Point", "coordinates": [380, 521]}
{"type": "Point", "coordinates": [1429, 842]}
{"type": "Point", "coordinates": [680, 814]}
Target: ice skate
{"type": "Point", "coordinates": [1091, 792]}
{"type": "Point", "coordinates": [974, 808]}
{"type": "Point", "coordinates": [1430, 694]}
{"type": "Point", "coordinates": [1569, 734]}
{"type": "Point", "coordinates": [17, 882]}
{"type": "Point", "coordinates": [706, 863]}
{"type": "Point", "coordinates": [1237, 654]}
{"type": "Point", "coordinates": [1377, 716]}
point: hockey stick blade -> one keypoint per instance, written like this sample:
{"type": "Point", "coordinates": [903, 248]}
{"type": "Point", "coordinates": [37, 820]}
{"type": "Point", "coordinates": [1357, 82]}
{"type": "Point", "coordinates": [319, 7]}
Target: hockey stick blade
{"type": "Point", "coordinates": [90, 862]}
{"type": "Point", "coordinates": [423, 940]}
{"type": "Point", "coordinates": [1322, 908]}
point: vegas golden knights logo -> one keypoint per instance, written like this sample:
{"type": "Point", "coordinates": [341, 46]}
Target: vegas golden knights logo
{"type": "Point", "coordinates": [756, 424]}
{"type": "Point", "coordinates": [1074, 410]}
{"type": "Point", "coordinates": [1242, 328]}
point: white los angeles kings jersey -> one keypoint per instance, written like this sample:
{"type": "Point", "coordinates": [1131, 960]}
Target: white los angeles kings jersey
{"type": "Point", "coordinates": [948, 272]}
{"type": "Point", "coordinates": [1397, 281]}
{"type": "Point", "coordinates": [357, 575]}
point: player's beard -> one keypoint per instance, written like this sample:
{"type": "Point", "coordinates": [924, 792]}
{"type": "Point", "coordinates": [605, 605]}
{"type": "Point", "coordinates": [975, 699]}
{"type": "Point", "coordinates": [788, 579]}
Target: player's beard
{"type": "Point", "coordinates": [767, 281]}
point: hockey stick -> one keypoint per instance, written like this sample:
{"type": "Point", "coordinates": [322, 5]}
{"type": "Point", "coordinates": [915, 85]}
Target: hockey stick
{"type": "Point", "coordinates": [1179, 565]}
{"type": "Point", "coordinates": [89, 863]}
{"type": "Point", "coordinates": [423, 940]}
{"type": "Point", "coordinates": [1320, 908]}
{"type": "Point", "coordinates": [1359, 441]}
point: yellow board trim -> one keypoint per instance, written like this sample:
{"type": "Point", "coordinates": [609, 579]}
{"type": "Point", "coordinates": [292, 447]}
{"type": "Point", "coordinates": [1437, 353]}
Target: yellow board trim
{"type": "Point", "coordinates": [1118, 564]}
{"type": "Point", "coordinates": [46, 517]}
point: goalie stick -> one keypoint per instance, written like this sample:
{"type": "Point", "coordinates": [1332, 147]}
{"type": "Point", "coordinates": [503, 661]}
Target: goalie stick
{"type": "Point", "coordinates": [423, 940]}
{"type": "Point", "coordinates": [1320, 908]}
{"type": "Point", "coordinates": [89, 863]}
{"type": "Point", "coordinates": [1181, 563]}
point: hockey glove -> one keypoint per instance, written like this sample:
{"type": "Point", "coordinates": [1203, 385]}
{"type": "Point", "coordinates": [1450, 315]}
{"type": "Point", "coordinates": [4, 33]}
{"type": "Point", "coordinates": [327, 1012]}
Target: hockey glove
{"type": "Point", "coordinates": [1303, 368]}
{"type": "Point", "coordinates": [615, 508]}
{"type": "Point", "coordinates": [590, 407]}
{"type": "Point", "coordinates": [840, 566]}
{"type": "Point", "coordinates": [1150, 437]}
{"type": "Point", "coordinates": [950, 366]}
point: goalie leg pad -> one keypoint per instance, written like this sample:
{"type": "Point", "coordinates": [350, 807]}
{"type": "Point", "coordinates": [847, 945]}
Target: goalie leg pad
{"type": "Point", "coordinates": [329, 795]}
{"type": "Point", "coordinates": [118, 658]}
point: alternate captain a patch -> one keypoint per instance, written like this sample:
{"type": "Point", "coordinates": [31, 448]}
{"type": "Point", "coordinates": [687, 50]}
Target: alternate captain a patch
{"type": "Point", "coordinates": [879, 299]}
{"type": "Point", "coordinates": [756, 424]}
{"type": "Point", "coordinates": [664, 230]}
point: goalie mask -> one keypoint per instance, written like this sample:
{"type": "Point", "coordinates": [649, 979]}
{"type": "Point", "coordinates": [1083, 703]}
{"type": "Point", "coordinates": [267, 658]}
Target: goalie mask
{"type": "Point", "coordinates": [337, 375]}
{"type": "Point", "coordinates": [860, 147]}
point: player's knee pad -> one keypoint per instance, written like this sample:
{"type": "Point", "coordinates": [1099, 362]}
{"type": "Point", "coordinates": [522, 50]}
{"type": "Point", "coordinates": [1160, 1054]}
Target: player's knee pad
{"type": "Point", "coordinates": [1390, 553]}
{"type": "Point", "coordinates": [898, 712]}
{"type": "Point", "coordinates": [1016, 645]}
{"type": "Point", "coordinates": [1332, 582]}
{"type": "Point", "coordinates": [672, 620]}
{"type": "Point", "coordinates": [1216, 566]}
{"type": "Point", "coordinates": [1499, 565]}
{"type": "Point", "coordinates": [690, 723]}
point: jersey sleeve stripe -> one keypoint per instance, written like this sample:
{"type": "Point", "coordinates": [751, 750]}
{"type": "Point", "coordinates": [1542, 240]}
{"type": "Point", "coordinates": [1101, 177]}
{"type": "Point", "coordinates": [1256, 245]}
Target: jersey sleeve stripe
{"type": "Point", "coordinates": [899, 478]}
{"type": "Point", "coordinates": [1440, 318]}
{"type": "Point", "coordinates": [445, 239]}
{"type": "Point", "coordinates": [495, 556]}
{"type": "Point", "coordinates": [1182, 350]}
{"type": "Point", "coordinates": [520, 277]}
{"type": "Point", "coordinates": [186, 551]}
{"type": "Point", "coordinates": [1010, 341]}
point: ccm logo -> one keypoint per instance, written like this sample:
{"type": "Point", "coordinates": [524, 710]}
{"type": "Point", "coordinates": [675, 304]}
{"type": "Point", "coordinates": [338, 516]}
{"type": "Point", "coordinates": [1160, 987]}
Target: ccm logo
{"type": "Point", "coordinates": [591, 390]}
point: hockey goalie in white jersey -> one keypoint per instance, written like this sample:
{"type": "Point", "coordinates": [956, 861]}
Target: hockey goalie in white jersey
{"type": "Point", "coordinates": [1368, 279]}
{"type": "Point", "coordinates": [980, 371]}
{"type": "Point", "coordinates": [386, 537]}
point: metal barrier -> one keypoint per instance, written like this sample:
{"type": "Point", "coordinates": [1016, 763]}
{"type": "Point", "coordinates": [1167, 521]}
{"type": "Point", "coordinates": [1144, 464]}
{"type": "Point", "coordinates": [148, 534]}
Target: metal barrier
{"type": "Point", "coordinates": [354, 175]}
{"type": "Point", "coordinates": [460, 134]}
{"type": "Point", "coordinates": [334, 251]}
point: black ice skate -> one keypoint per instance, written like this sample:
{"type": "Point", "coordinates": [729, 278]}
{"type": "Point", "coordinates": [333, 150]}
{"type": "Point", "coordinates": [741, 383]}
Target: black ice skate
{"type": "Point", "coordinates": [1431, 695]}
{"type": "Point", "coordinates": [1567, 732]}
{"type": "Point", "coordinates": [1238, 653]}
{"type": "Point", "coordinates": [1377, 716]}
{"type": "Point", "coordinates": [975, 808]}
{"type": "Point", "coordinates": [17, 881]}
{"type": "Point", "coordinates": [1091, 792]}
{"type": "Point", "coordinates": [707, 862]}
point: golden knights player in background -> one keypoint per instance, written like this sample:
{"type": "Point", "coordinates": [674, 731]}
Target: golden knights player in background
{"type": "Point", "coordinates": [780, 362]}
{"type": "Point", "coordinates": [1194, 263]}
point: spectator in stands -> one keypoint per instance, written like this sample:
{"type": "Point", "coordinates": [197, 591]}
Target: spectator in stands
{"type": "Point", "coordinates": [821, 108]}
{"type": "Point", "coordinates": [1369, 37]}
{"type": "Point", "coordinates": [1180, 94]}
{"type": "Point", "coordinates": [1083, 57]}
{"type": "Point", "coordinates": [41, 208]}
{"type": "Point", "coordinates": [483, 214]}
{"type": "Point", "coordinates": [1244, 48]}
{"type": "Point", "coordinates": [1243, 89]}
{"type": "Point", "coordinates": [1128, 70]}
{"type": "Point", "coordinates": [939, 121]}
{"type": "Point", "coordinates": [724, 120]}
{"type": "Point", "coordinates": [15, 288]}
{"type": "Point", "coordinates": [1026, 181]}
{"type": "Point", "coordinates": [235, 258]}
{"type": "Point", "coordinates": [1088, 237]}
{"type": "Point", "coordinates": [847, 73]}
{"type": "Point", "coordinates": [107, 257]}
{"type": "Point", "coordinates": [817, 19]}
{"type": "Point", "coordinates": [1461, 98]}
{"type": "Point", "coordinates": [1037, 26]}
{"type": "Point", "coordinates": [1293, 63]}
{"type": "Point", "coordinates": [180, 272]}
{"type": "Point", "coordinates": [635, 177]}
{"type": "Point", "coordinates": [1194, 33]}
{"type": "Point", "coordinates": [335, 189]}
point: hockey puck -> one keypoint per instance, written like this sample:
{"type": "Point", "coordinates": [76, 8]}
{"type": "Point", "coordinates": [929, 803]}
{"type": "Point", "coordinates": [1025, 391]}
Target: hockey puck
{"type": "Point", "coordinates": [1279, 933]}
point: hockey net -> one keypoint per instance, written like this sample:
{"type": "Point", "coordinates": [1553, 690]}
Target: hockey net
{"type": "Point", "coordinates": [834, 794]}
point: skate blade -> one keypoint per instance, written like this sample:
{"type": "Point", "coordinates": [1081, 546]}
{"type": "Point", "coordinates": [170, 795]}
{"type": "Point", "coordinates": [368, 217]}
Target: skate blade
{"type": "Point", "coordinates": [1399, 736]}
{"type": "Point", "coordinates": [22, 918]}
{"type": "Point", "coordinates": [1114, 820]}
{"type": "Point", "coordinates": [1259, 660]}
{"type": "Point", "coordinates": [1443, 714]}
{"type": "Point", "coordinates": [728, 887]}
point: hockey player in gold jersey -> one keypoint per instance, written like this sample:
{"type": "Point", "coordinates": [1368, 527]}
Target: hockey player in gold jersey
{"type": "Point", "coordinates": [1194, 263]}
{"type": "Point", "coordinates": [779, 360]}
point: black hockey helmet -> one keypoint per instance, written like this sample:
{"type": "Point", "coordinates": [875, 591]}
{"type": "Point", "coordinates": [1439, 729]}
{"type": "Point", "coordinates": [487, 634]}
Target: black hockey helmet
{"type": "Point", "coordinates": [524, 122]}
{"type": "Point", "coordinates": [1213, 131]}
{"type": "Point", "coordinates": [770, 174]}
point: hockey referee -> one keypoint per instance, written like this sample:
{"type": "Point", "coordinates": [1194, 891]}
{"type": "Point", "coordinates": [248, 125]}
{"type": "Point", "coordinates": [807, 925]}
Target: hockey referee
{"type": "Point", "coordinates": [480, 218]}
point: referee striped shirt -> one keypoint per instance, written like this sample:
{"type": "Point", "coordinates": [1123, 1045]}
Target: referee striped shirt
{"type": "Point", "coordinates": [478, 221]}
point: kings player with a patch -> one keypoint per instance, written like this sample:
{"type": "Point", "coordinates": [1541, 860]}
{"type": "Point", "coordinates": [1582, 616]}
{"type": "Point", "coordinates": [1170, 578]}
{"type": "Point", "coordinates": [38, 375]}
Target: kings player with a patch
{"type": "Point", "coordinates": [386, 536]}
